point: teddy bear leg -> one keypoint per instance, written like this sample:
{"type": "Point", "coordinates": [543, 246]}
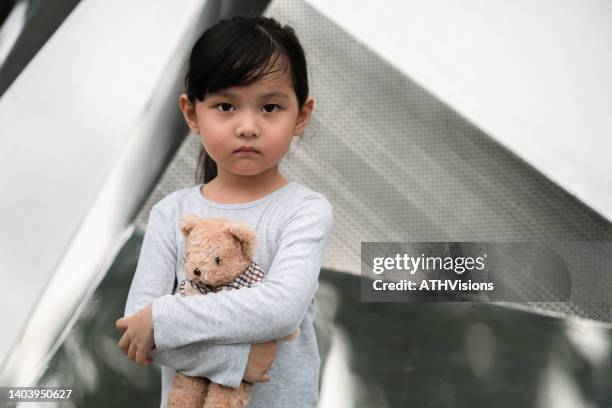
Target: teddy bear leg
{"type": "Point", "coordinates": [220, 396]}
{"type": "Point", "coordinates": [187, 392]}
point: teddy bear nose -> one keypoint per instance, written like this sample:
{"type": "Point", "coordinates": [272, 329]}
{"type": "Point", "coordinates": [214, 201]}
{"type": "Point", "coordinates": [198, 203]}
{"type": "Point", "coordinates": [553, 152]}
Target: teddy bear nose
{"type": "Point", "coordinates": [197, 272]}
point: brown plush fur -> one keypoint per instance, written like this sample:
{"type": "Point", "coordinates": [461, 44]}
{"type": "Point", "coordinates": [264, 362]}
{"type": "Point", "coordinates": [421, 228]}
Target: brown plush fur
{"type": "Point", "coordinates": [220, 396]}
{"type": "Point", "coordinates": [232, 243]}
{"type": "Point", "coordinates": [187, 391]}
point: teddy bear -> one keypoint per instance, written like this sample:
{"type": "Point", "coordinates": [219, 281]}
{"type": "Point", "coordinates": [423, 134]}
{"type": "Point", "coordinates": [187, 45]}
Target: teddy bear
{"type": "Point", "coordinates": [218, 256]}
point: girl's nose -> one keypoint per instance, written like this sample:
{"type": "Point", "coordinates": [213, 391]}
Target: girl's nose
{"type": "Point", "coordinates": [247, 127]}
{"type": "Point", "coordinates": [248, 135]}
{"type": "Point", "coordinates": [196, 272]}
{"type": "Point", "coordinates": [248, 132]}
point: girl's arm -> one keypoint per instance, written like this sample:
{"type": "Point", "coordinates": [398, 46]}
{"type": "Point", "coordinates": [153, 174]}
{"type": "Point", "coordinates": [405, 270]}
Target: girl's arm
{"type": "Point", "coordinates": [221, 363]}
{"type": "Point", "coordinates": [154, 277]}
{"type": "Point", "coordinates": [270, 309]}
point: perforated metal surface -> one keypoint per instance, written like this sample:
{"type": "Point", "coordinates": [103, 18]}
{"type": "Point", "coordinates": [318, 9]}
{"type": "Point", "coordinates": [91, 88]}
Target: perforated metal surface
{"type": "Point", "coordinates": [399, 165]}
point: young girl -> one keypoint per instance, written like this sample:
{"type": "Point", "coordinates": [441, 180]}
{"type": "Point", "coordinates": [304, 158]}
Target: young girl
{"type": "Point", "coordinates": [247, 97]}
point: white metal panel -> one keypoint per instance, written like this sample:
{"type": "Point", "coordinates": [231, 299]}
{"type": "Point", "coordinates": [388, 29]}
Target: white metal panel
{"type": "Point", "coordinates": [78, 159]}
{"type": "Point", "coordinates": [534, 75]}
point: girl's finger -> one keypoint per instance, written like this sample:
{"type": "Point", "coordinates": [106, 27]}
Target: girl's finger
{"type": "Point", "coordinates": [142, 358]}
{"type": "Point", "coordinates": [124, 343]}
{"type": "Point", "coordinates": [132, 352]}
{"type": "Point", "coordinates": [121, 324]}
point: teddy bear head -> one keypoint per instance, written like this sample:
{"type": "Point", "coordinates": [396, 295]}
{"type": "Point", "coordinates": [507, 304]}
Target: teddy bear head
{"type": "Point", "coordinates": [217, 250]}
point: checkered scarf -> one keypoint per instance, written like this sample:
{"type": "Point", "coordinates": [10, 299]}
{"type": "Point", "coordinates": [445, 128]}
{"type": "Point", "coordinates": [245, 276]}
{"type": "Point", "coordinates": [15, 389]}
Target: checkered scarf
{"type": "Point", "coordinates": [252, 274]}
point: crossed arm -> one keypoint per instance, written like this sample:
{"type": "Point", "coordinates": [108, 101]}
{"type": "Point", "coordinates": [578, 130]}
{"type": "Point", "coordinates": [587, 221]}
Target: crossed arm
{"type": "Point", "coordinates": [154, 277]}
{"type": "Point", "coordinates": [271, 309]}
{"type": "Point", "coordinates": [216, 344]}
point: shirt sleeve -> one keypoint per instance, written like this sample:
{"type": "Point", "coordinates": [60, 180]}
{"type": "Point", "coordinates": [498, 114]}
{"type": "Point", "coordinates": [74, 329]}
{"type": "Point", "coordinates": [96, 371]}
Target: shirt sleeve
{"type": "Point", "coordinates": [266, 311]}
{"type": "Point", "coordinates": [154, 277]}
{"type": "Point", "coordinates": [221, 363]}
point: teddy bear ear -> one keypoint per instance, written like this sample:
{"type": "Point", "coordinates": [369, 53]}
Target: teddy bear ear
{"type": "Point", "coordinates": [187, 222]}
{"type": "Point", "coordinates": [245, 235]}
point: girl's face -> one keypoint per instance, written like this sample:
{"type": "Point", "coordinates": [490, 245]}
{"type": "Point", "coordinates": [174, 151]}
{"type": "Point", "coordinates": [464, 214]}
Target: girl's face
{"type": "Point", "coordinates": [263, 116]}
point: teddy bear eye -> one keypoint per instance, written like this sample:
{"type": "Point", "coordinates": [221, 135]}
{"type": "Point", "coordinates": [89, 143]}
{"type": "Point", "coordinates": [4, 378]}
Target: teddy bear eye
{"type": "Point", "coordinates": [218, 260]}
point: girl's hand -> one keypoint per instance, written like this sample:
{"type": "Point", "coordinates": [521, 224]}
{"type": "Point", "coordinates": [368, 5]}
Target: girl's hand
{"type": "Point", "coordinates": [260, 360]}
{"type": "Point", "coordinates": [137, 339]}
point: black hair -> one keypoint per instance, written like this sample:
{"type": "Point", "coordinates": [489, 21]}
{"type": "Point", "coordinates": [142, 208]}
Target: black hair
{"type": "Point", "coordinates": [238, 52]}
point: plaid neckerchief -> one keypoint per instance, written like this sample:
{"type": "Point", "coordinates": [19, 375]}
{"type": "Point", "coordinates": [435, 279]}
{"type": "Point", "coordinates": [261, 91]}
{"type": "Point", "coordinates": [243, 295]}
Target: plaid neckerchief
{"type": "Point", "coordinates": [251, 275]}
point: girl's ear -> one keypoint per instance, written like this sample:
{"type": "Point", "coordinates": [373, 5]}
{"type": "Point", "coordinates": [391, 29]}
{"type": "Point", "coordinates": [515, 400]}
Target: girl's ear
{"type": "Point", "coordinates": [245, 235]}
{"type": "Point", "coordinates": [304, 116]}
{"type": "Point", "coordinates": [189, 113]}
{"type": "Point", "coordinates": [187, 222]}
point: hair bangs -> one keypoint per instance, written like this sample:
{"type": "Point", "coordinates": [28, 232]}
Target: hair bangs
{"type": "Point", "coordinates": [242, 62]}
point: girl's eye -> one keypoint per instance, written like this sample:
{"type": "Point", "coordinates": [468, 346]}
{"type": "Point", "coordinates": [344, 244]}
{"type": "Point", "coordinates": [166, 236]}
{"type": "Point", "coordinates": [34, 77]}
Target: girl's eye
{"type": "Point", "coordinates": [224, 107]}
{"type": "Point", "coordinates": [272, 105]}
{"type": "Point", "coordinates": [223, 104]}
{"type": "Point", "coordinates": [218, 260]}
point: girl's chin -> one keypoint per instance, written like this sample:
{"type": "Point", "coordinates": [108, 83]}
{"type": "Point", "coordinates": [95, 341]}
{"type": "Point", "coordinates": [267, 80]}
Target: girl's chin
{"type": "Point", "coordinates": [248, 170]}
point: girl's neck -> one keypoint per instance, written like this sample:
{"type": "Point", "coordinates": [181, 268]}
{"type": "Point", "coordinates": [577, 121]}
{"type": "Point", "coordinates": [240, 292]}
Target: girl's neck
{"type": "Point", "coordinates": [228, 188]}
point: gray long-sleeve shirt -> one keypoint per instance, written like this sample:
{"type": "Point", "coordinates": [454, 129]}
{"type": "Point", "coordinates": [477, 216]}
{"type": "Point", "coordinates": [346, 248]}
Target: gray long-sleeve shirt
{"type": "Point", "coordinates": [210, 336]}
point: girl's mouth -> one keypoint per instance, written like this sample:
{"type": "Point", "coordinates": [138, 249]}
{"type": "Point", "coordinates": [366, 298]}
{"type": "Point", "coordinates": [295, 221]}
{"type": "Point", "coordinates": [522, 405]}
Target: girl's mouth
{"type": "Point", "coordinates": [246, 149]}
